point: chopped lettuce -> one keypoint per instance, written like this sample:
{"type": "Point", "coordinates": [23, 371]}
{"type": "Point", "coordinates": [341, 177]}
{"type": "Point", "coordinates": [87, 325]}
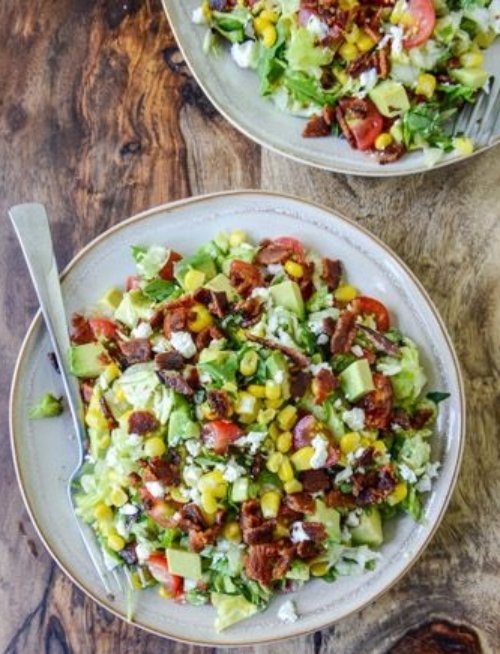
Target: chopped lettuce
{"type": "Point", "coordinates": [407, 375]}
{"type": "Point", "coordinates": [303, 54]}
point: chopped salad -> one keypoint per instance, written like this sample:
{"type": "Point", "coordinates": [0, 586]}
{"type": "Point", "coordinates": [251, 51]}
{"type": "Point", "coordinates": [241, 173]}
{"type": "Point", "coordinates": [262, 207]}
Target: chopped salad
{"type": "Point", "coordinates": [387, 75]}
{"type": "Point", "coordinates": [253, 421]}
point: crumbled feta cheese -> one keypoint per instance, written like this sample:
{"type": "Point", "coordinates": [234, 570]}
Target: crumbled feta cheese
{"type": "Point", "coordinates": [357, 350]}
{"type": "Point", "coordinates": [432, 469]}
{"type": "Point", "coordinates": [232, 471]}
{"type": "Point", "coordinates": [317, 367]}
{"type": "Point", "coordinates": [343, 475]}
{"type": "Point", "coordinates": [183, 343]}
{"type": "Point", "coordinates": [245, 54]}
{"type": "Point", "coordinates": [161, 345]}
{"type": "Point", "coordinates": [253, 440]}
{"type": "Point", "coordinates": [193, 446]}
{"type": "Point", "coordinates": [298, 533]}
{"type": "Point", "coordinates": [322, 339]}
{"type": "Point", "coordinates": [353, 518]}
{"type": "Point", "coordinates": [424, 484]}
{"type": "Point", "coordinates": [191, 474]}
{"type": "Point", "coordinates": [317, 27]}
{"type": "Point", "coordinates": [275, 269]}
{"type": "Point", "coordinates": [407, 473]}
{"type": "Point", "coordinates": [128, 509]}
{"type": "Point", "coordinates": [142, 551]}
{"type": "Point", "coordinates": [134, 440]}
{"type": "Point", "coordinates": [320, 455]}
{"type": "Point", "coordinates": [143, 330]}
{"type": "Point", "coordinates": [354, 419]}
{"type": "Point", "coordinates": [205, 377]}
{"type": "Point", "coordinates": [156, 488]}
{"type": "Point", "coordinates": [261, 292]}
{"type": "Point", "coordinates": [189, 584]}
{"type": "Point", "coordinates": [287, 612]}
{"type": "Point", "coordinates": [367, 81]}
{"type": "Point", "coordinates": [121, 527]}
{"type": "Point", "coordinates": [494, 10]}
{"type": "Point", "coordinates": [198, 16]}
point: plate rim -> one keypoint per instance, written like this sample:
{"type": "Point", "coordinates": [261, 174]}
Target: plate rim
{"type": "Point", "coordinates": [35, 323]}
{"type": "Point", "coordinates": [384, 172]}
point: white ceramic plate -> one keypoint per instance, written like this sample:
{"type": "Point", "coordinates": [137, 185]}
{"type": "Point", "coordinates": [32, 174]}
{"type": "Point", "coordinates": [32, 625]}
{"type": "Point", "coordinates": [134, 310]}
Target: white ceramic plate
{"type": "Point", "coordinates": [234, 91]}
{"type": "Point", "coordinates": [44, 453]}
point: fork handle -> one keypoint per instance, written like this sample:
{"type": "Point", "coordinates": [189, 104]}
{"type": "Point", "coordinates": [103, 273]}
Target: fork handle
{"type": "Point", "coordinates": [31, 225]}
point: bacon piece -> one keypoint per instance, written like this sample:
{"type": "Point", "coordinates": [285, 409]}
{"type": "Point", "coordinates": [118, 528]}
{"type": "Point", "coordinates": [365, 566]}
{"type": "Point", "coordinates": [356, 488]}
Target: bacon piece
{"type": "Point", "coordinates": [295, 355]}
{"type": "Point", "coordinates": [244, 277]}
{"type": "Point", "coordinates": [156, 320]}
{"type": "Point", "coordinates": [137, 350]}
{"type": "Point", "coordinates": [87, 389]}
{"type": "Point", "coordinates": [269, 562]}
{"type": "Point", "coordinates": [299, 384]}
{"type": "Point", "coordinates": [315, 530]}
{"type": "Point", "coordinates": [250, 310]}
{"type": "Point", "coordinates": [167, 272]}
{"type": "Point", "coordinates": [344, 334]}
{"type": "Point", "coordinates": [301, 502]}
{"type": "Point", "coordinates": [106, 411]}
{"type": "Point", "coordinates": [219, 403]}
{"type": "Point", "coordinates": [134, 479]}
{"type": "Point", "coordinates": [328, 326]}
{"type": "Point", "coordinates": [381, 342]}
{"type": "Point", "coordinates": [317, 126]}
{"type": "Point", "coordinates": [377, 404]}
{"type": "Point", "coordinates": [401, 418]}
{"type": "Point", "coordinates": [199, 539]}
{"type": "Point", "coordinates": [337, 499]}
{"type": "Point", "coordinates": [383, 63]}
{"type": "Point", "coordinates": [272, 253]}
{"type": "Point", "coordinates": [142, 422]}
{"type": "Point", "coordinates": [207, 335]}
{"type": "Point", "coordinates": [218, 305]}
{"type": "Point", "coordinates": [421, 417]}
{"type": "Point", "coordinates": [203, 296]}
{"type": "Point", "coordinates": [175, 320]}
{"type": "Point", "coordinates": [176, 381]}
{"type": "Point", "coordinates": [331, 272]}
{"type": "Point", "coordinates": [360, 64]}
{"type": "Point", "coordinates": [307, 549]}
{"type": "Point", "coordinates": [192, 518]}
{"type": "Point", "coordinates": [373, 487]}
{"type": "Point", "coordinates": [315, 481]}
{"type": "Point", "coordinates": [323, 384]}
{"type": "Point", "coordinates": [81, 331]}
{"type": "Point", "coordinates": [159, 469]}
{"type": "Point", "coordinates": [391, 153]}
{"type": "Point", "coordinates": [346, 131]}
{"type": "Point", "coordinates": [171, 360]}
{"type": "Point", "coordinates": [255, 528]}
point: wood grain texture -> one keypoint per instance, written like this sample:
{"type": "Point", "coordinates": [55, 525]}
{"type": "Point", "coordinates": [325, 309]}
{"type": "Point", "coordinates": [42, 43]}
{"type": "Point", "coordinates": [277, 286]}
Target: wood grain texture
{"type": "Point", "coordinates": [99, 118]}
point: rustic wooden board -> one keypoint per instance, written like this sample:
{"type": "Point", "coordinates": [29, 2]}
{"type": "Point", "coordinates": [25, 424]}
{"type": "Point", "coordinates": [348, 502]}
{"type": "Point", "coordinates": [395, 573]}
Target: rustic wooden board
{"type": "Point", "coordinates": [99, 118]}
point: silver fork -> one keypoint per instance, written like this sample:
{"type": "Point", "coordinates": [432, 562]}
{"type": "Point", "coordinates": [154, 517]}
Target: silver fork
{"type": "Point", "coordinates": [478, 121]}
{"type": "Point", "coordinates": [31, 225]}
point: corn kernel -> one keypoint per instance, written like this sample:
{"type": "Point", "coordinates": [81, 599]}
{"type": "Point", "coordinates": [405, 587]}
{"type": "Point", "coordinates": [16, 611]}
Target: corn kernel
{"type": "Point", "coordinates": [116, 542]}
{"type": "Point", "coordinates": [383, 141]}
{"type": "Point", "coordinates": [274, 461]}
{"type": "Point", "coordinates": [266, 416]}
{"type": "Point", "coordinates": [285, 471]}
{"type": "Point", "coordinates": [345, 5]}
{"type": "Point", "coordinates": [118, 497]}
{"type": "Point", "coordinates": [232, 532]}
{"type": "Point", "coordinates": [398, 494]}
{"type": "Point", "coordinates": [426, 85]}
{"type": "Point", "coordinates": [111, 372]}
{"type": "Point", "coordinates": [379, 447]}
{"type": "Point", "coordinates": [249, 363]}
{"type": "Point", "coordinates": [485, 39]}
{"type": "Point", "coordinates": [293, 486]}
{"type": "Point", "coordinates": [319, 568]}
{"type": "Point", "coordinates": [193, 280]}
{"type": "Point", "coordinates": [269, 15]}
{"type": "Point", "coordinates": [210, 480]}
{"type": "Point", "coordinates": [301, 459]}
{"type": "Point", "coordinates": [284, 442]}
{"type": "Point", "coordinates": [207, 13]}
{"type": "Point", "coordinates": [208, 503]}
{"type": "Point", "coordinates": [350, 442]}
{"type": "Point", "coordinates": [257, 390]}
{"type": "Point", "coordinates": [260, 24]}
{"type": "Point", "coordinates": [353, 35]}
{"type": "Point", "coordinates": [208, 413]}
{"type": "Point", "coordinates": [408, 19]}
{"type": "Point", "coordinates": [270, 503]}
{"type": "Point", "coordinates": [294, 269]}
{"type": "Point", "coordinates": [237, 237]}
{"type": "Point", "coordinates": [154, 447]}
{"type": "Point", "coordinates": [463, 144]}
{"type": "Point", "coordinates": [275, 404]}
{"type": "Point", "coordinates": [201, 320]}
{"type": "Point", "coordinates": [287, 417]}
{"type": "Point", "coordinates": [345, 293]}
{"type": "Point", "coordinates": [103, 512]}
{"type": "Point", "coordinates": [274, 431]}
{"type": "Point", "coordinates": [472, 60]}
{"type": "Point", "coordinates": [365, 42]}
{"type": "Point", "coordinates": [348, 51]}
{"type": "Point", "coordinates": [178, 495]}
{"type": "Point", "coordinates": [273, 390]}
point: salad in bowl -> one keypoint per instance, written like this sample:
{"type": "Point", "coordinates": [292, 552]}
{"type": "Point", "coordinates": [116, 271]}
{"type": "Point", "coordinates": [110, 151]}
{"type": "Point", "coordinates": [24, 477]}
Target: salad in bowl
{"type": "Point", "coordinates": [253, 422]}
{"type": "Point", "coordinates": [388, 76]}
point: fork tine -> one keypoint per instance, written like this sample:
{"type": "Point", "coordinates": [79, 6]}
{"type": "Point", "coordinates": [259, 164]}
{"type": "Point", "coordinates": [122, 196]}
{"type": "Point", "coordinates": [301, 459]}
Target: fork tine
{"type": "Point", "coordinates": [118, 579]}
{"type": "Point", "coordinates": [490, 118]}
{"type": "Point", "coordinates": [474, 121]}
{"type": "Point", "coordinates": [461, 120]}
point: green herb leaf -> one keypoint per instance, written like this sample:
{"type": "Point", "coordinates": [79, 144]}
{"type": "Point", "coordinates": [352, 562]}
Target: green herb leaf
{"type": "Point", "coordinates": [138, 252]}
{"type": "Point", "coordinates": [437, 396]}
{"type": "Point", "coordinates": [48, 407]}
{"type": "Point", "coordinates": [306, 89]}
{"type": "Point", "coordinates": [159, 289]}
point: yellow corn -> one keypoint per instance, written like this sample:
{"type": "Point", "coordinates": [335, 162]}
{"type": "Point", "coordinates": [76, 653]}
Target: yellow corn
{"type": "Point", "coordinates": [210, 480]}
{"type": "Point", "coordinates": [232, 532]}
{"type": "Point", "coordinates": [208, 413]}
{"type": "Point", "coordinates": [208, 503]}
{"type": "Point", "coordinates": [340, 75]}
{"type": "Point", "coordinates": [265, 416]}
{"type": "Point", "coordinates": [398, 494]}
{"type": "Point", "coordinates": [301, 459]}
{"type": "Point", "coordinates": [472, 60]}
{"type": "Point", "coordinates": [485, 39]}
{"type": "Point", "coordinates": [345, 5]}
{"type": "Point", "coordinates": [193, 280]}
{"type": "Point", "coordinates": [463, 144]}
{"type": "Point", "coordinates": [118, 497]}
{"type": "Point", "coordinates": [379, 447]}
{"type": "Point", "coordinates": [257, 390]}
{"type": "Point", "coordinates": [407, 19]}
{"type": "Point", "coordinates": [348, 51]}
{"type": "Point", "coordinates": [284, 442]}
{"type": "Point", "coordinates": [269, 36]}
{"type": "Point", "coordinates": [353, 35]}
{"type": "Point", "coordinates": [285, 472]}
{"type": "Point", "coordinates": [274, 461]}
{"type": "Point", "coordinates": [273, 430]}
{"type": "Point", "coordinates": [274, 404]}
{"type": "Point", "coordinates": [319, 568]}
{"type": "Point", "coordinates": [178, 495]}
{"type": "Point", "coordinates": [426, 85]}
{"type": "Point", "coordinates": [273, 390]}
{"type": "Point", "coordinates": [269, 15]}
{"type": "Point", "coordinates": [201, 320]}
{"type": "Point", "coordinates": [287, 417]}
{"type": "Point", "coordinates": [103, 512]}
{"type": "Point", "coordinates": [115, 542]}
{"type": "Point", "coordinates": [111, 372]}
{"type": "Point", "coordinates": [260, 24]}
{"type": "Point", "coordinates": [365, 42]}
{"type": "Point", "coordinates": [294, 269]}
{"type": "Point", "coordinates": [350, 442]}
{"type": "Point", "coordinates": [249, 363]}
{"type": "Point", "coordinates": [247, 405]}
{"type": "Point", "coordinates": [345, 293]}
{"type": "Point", "coordinates": [154, 447]}
{"type": "Point", "coordinates": [237, 237]}
{"type": "Point", "coordinates": [383, 141]}
{"type": "Point", "coordinates": [270, 503]}
{"type": "Point", "coordinates": [293, 486]}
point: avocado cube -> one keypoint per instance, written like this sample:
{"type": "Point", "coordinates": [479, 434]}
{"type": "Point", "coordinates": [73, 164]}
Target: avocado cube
{"type": "Point", "coordinates": [240, 490]}
{"type": "Point", "coordinates": [474, 78]}
{"type": "Point", "coordinates": [88, 360]}
{"type": "Point", "coordinates": [369, 531]}
{"type": "Point", "coordinates": [184, 564]}
{"type": "Point", "coordinates": [200, 261]}
{"type": "Point", "coordinates": [231, 609]}
{"type": "Point", "coordinates": [390, 98]}
{"type": "Point", "coordinates": [288, 295]}
{"type": "Point", "coordinates": [134, 306]}
{"type": "Point", "coordinates": [356, 380]}
{"type": "Point", "coordinates": [329, 517]}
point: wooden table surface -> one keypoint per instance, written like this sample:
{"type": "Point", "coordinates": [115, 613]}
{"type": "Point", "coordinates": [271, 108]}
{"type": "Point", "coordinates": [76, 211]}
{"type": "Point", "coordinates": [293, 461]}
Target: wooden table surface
{"type": "Point", "coordinates": [99, 119]}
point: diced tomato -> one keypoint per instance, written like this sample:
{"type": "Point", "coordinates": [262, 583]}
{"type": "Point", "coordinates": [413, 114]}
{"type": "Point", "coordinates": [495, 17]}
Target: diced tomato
{"type": "Point", "coordinates": [219, 434]}
{"type": "Point", "coordinates": [369, 305]}
{"type": "Point", "coordinates": [363, 121]}
{"type": "Point", "coordinates": [292, 244]}
{"type": "Point", "coordinates": [167, 272]}
{"type": "Point", "coordinates": [378, 404]}
{"type": "Point", "coordinates": [424, 16]}
{"type": "Point", "coordinates": [158, 567]}
{"type": "Point", "coordinates": [103, 327]}
{"type": "Point", "coordinates": [132, 282]}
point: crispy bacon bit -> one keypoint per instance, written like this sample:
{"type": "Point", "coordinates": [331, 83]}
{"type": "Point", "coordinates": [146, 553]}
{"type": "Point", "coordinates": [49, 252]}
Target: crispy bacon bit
{"type": "Point", "coordinates": [106, 411]}
{"type": "Point", "coordinates": [167, 272]}
{"type": "Point", "coordinates": [307, 549]}
{"type": "Point", "coordinates": [219, 403]}
{"type": "Point", "coordinates": [328, 326]}
{"type": "Point", "coordinates": [383, 63]}
{"type": "Point", "coordinates": [255, 528]}
{"type": "Point", "coordinates": [218, 305]}
{"type": "Point", "coordinates": [137, 350]}
{"type": "Point", "coordinates": [192, 518]}
{"type": "Point", "coordinates": [346, 131]}
{"type": "Point", "coordinates": [401, 418]}
{"type": "Point", "coordinates": [251, 310]}
{"type": "Point", "coordinates": [360, 64]}
{"type": "Point", "coordinates": [373, 487]}
{"type": "Point", "coordinates": [377, 405]}
{"type": "Point", "coordinates": [159, 469]}
{"type": "Point", "coordinates": [199, 539]}
{"type": "Point", "coordinates": [244, 277]}
{"type": "Point", "coordinates": [331, 272]}
{"type": "Point", "coordinates": [203, 296]}
{"type": "Point", "coordinates": [317, 126]}
{"type": "Point", "coordinates": [323, 384]}
{"type": "Point", "coordinates": [81, 331]}
{"type": "Point", "coordinates": [272, 253]}
{"type": "Point", "coordinates": [295, 355]}
{"type": "Point", "coordinates": [207, 335]}
{"type": "Point", "coordinates": [381, 342]}
{"type": "Point", "coordinates": [156, 320]}
{"type": "Point", "coordinates": [421, 417]}
{"type": "Point", "coordinates": [171, 360]}
{"type": "Point", "coordinates": [142, 422]}
{"type": "Point", "coordinates": [344, 334]}
{"type": "Point", "coordinates": [134, 479]}
{"type": "Point", "coordinates": [268, 562]}
{"type": "Point", "coordinates": [315, 530]}
{"type": "Point", "coordinates": [176, 381]}
{"type": "Point", "coordinates": [175, 320]}
{"type": "Point", "coordinates": [315, 481]}
{"type": "Point", "coordinates": [366, 458]}
{"type": "Point", "coordinates": [391, 153]}
{"type": "Point", "coordinates": [299, 384]}
{"type": "Point", "coordinates": [87, 389]}
{"type": "Point", "coordinates": [301, 502]}
{"type": "Point", "coordinates": [337, 499]}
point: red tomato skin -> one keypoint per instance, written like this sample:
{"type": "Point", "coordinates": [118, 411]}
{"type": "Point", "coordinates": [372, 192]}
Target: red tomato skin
{"type": "Point", "coordinates": [167, 272]}
{"type": "Point", "coordinates": [423, 11]}
{"type": "Point", "coordinates": [292, 244]}
{"type": "Point", "coordinates": [132, 282]}
{"type": "Point", "coordinates": [158, 567]}
{"type": "Point", "coordinates": [364, 130]}
{"type": "Point", "coordinates": [219, 434]}
{"type": "Point", "coordinates": [103, 327]}
{"type": "Point", "coordinates": [364, 304]}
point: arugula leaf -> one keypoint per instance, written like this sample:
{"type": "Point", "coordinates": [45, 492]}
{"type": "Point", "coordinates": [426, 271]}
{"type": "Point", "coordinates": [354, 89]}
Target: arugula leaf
{"type": "Point", "coordinates": [159, 289]}
{"type": "Point", "coordinates": [271, 64]}
{"type": "Point", "coordinates": [231, 25]}
{"type": "Point", "coordinates": [437, 396]}
{"type": "Point", "coordinates": [48, 407]}
{"type": "Point", "coordinates": [425, 121]}
{"type": "Point", "coordinates": [138, 252]}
